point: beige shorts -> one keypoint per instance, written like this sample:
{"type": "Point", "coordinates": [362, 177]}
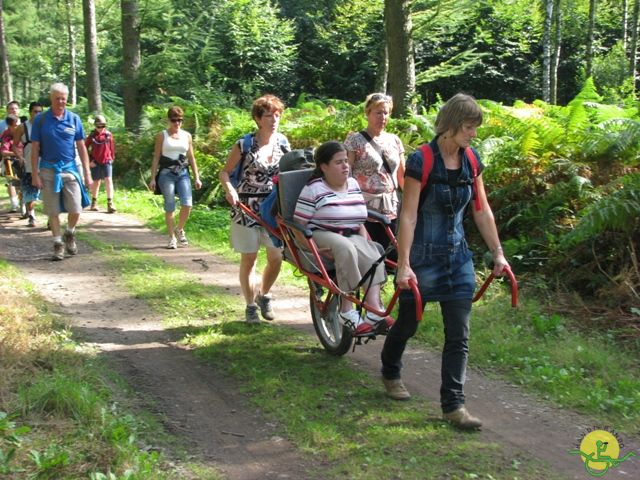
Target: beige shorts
{"type": "Point", "coordinates": [249, 239]}
{"type": "Point", "coordinates": [70, 193]}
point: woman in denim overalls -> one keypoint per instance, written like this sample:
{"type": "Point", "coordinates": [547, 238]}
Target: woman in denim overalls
{"type": "Point", "coordinates": [433, 252]}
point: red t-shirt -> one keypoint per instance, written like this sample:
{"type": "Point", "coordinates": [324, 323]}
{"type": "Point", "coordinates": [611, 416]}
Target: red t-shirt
{"type": "Point", "coordinates": [101, 147]}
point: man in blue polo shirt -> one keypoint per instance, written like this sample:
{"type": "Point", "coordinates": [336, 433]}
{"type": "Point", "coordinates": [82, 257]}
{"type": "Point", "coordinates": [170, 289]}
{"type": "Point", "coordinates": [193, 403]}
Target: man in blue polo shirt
{"type": "Point", "coordinates": [55, 135]}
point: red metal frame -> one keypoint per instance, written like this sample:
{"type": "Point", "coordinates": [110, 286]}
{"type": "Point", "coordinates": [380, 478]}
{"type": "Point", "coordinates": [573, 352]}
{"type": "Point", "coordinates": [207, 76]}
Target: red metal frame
{"type": "Point", "coordinates": [514, 286]}
{"type": "Point", "coordinates": [324, 279]}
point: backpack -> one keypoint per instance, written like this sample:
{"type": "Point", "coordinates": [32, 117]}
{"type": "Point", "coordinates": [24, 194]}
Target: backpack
{"type": "Point", "coordinates": [107, 141]}
{"type": "Point", "coordinates": [427, 166]}
{"type": "Point", "coordinates": [235, 177]}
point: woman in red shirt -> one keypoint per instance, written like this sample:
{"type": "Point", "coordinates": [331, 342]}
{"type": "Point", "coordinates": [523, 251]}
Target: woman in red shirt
{"type": "Point", "coordinates": [102, 153]}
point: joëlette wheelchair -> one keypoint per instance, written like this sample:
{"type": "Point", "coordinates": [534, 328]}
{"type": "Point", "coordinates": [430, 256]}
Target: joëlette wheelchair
{"type": "Point", "coordinates": [324, 294]}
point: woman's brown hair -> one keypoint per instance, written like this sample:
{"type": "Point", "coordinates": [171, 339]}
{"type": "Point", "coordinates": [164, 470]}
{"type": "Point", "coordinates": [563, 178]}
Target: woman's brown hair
{"type": "Point", "coordinates": [266, 103]}
{"type": "Point", "coordinates": [459, 109]}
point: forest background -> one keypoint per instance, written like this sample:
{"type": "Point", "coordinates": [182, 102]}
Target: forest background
{"type": "Point", "coordinates": [556, 78]}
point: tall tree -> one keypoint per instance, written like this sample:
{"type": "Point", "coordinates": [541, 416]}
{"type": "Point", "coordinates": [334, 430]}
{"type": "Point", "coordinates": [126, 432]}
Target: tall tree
{"type": "Point", "coordinates": [546, 50]}
{"type": "Point", "coordinates": [91, 55]}
{"type": "Point", "coordinates": [73, 73]}
{"type": "Point", "coordinates": [131, 64]}
{"type": "Point", "coordinates": [402, 75]}
{"type": "Point", "coordinates": [555, 60]}
{"type": "Point", "coordinates": [382, 73]}
{"type": "Point", "coordinates": [7, 91]}
{"type": "Point", "coordinates": [625, 23]}
{"type": "Point", "coordinates": [590, 37]}
{"type": "Point", "coordinates": [633, 47]}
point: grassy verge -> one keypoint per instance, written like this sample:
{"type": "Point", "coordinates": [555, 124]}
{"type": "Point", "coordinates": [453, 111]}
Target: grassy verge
{"type": "Point", "coordinates": [207, 228]}
{"type": "Point", "coordinates": [61, 416]}
{"type": "Point", "coordinates": [327, 409]}
{"type": "Point", "coordinates": [547, 354]}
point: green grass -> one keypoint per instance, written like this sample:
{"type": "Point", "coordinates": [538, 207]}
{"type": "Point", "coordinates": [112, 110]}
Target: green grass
{"type": "Point", "coordinates": [327, 408]}
{"type": "Point", "coordinates": [61, 414]}
{"type": "Point", "coordinates": [207, 228]}
{"type": "Point", "coordinates": [547, 354]}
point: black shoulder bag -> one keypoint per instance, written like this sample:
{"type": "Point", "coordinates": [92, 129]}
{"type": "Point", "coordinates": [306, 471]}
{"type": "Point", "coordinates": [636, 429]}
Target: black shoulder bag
{"type": "Point", "coordinates": [379, 151]}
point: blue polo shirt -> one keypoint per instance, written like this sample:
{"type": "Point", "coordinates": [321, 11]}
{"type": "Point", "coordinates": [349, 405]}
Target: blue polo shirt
{"type": "Point", "coordinates": [57, 137]}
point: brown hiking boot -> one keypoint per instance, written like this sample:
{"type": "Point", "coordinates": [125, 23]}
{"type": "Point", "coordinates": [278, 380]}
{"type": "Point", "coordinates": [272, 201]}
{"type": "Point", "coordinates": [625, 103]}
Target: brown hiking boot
{"type": "Point", "coordinates": [94, 205]}
{"type": "Point", "coordinates": [461, 418]}
{"type": "Point", "coordinates": [58, 251]}
{"type": "Point", "coordinates": [111, 208]}
{"type": "Point", "coordinates": [70, 243]}
{"type": "Point", "coordinates": [395, 389]}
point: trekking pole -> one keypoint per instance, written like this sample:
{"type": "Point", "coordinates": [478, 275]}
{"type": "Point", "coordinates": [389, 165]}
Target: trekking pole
{"type": "Point", "coordinates": [514, 286]}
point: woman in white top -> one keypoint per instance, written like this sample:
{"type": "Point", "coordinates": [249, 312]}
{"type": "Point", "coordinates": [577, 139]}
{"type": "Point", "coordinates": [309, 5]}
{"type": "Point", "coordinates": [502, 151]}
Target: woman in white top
{"type": "Point", "coordinates": [172, 156]}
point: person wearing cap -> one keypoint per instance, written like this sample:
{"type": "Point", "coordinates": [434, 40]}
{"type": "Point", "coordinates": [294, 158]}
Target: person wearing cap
{"type": "Point", "coordinates": [102, 153]}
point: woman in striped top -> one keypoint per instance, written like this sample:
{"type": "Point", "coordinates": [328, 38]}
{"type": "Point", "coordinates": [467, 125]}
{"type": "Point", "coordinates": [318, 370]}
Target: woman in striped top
{"type": "Point", "coordinates": [331, 204]}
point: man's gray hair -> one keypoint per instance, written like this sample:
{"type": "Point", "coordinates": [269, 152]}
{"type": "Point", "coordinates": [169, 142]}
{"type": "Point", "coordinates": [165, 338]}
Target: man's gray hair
{"type": "Point", "coordinates": [59, 87]}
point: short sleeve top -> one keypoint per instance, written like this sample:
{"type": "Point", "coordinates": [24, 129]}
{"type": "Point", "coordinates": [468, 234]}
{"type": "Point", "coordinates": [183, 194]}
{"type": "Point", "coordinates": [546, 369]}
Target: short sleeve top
{"type": "Point", "coordinates": [325, 209]}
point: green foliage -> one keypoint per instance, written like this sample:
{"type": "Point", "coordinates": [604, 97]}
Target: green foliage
{"type": "Point", "coordinates": [617, 210]}
{"type": "Point", "coordinates": [252, 49]}
{"type": "Point", "coordinates": [11, 437]}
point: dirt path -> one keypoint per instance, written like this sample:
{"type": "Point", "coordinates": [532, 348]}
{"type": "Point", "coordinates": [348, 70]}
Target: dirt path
{"type": "Point", "coordinates": [204, 407]}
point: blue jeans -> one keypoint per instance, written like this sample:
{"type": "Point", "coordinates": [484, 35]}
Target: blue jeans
{"type": "Point", "coordinates": [172, 185]}
{"type": "Point", "coordinates": [455, 315]}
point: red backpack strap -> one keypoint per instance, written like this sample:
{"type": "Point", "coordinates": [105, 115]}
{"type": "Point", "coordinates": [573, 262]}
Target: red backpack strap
{"type": "Point", "coordinates": [427, 164]}
{"type": "Point", "coordinates": [474, 171]}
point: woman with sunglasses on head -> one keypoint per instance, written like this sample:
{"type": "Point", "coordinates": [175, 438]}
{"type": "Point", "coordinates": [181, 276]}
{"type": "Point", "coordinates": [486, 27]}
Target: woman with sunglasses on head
{"type": "Point", "coordinates": [376, 158]}
{"type": "Point", "coordinates": [172, 156]}
{"type": "Point", "coordinates": [102, 153]}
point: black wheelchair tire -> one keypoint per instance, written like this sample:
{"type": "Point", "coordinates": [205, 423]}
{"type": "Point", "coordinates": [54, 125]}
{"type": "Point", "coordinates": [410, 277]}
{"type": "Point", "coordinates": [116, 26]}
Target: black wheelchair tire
{"type": "Point", "coordinates": [335, 338]}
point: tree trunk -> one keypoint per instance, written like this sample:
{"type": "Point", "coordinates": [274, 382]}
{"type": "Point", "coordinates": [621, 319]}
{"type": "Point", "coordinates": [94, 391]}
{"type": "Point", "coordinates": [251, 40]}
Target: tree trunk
{"type": "Point", "coordinates": [625, 24]}
{"type": "Point", "coordinates": [131, 63]}
{"type": "Point", "coordinates": [382, 73]}
{"type": "Point", "coordinates": [72, 54]}
{"type": "Point", "coordinates": [5, 71]}
{"type": "Point", "coordinates": [555, 60]}
{"type": "Point", "coordinates": [91, 56]}
{"type": "Point", "coordinates": [590, 37]}
{"type": "Point", "coordinates": [402, 75]}
{"type": "Point", "coordinates": [633, 48]}
{"type": "Point", "coordinates": [546, 50]}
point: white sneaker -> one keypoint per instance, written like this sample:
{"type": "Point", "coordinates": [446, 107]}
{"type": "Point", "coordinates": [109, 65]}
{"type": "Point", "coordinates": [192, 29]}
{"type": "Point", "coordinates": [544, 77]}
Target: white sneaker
{"type": "Point", "coordinates": [173, 243]}
{"type": "Point", "coordinates": [350, 318]}
{"type": "Point", "coordinates": [182, 238]}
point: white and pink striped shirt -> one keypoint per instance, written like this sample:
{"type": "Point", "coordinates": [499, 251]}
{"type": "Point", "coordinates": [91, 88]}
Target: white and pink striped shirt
{"type": "Point", "coordinates": [322, 208]}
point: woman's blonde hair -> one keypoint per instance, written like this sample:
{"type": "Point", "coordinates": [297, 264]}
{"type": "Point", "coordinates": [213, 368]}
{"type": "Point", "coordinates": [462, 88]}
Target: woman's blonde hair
{"type": "Point", "coordinates": [459, 109]}
{"type": "Point", "coordinates": [375, 99]}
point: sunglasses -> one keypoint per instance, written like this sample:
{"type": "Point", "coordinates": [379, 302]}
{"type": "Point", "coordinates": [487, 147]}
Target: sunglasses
{"type": "Point", "coordinates": [379, 97]}
{"type": "Point", "coordinates": [102, 125]}
{"type": "Point", "coordinates": [176, 120]}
